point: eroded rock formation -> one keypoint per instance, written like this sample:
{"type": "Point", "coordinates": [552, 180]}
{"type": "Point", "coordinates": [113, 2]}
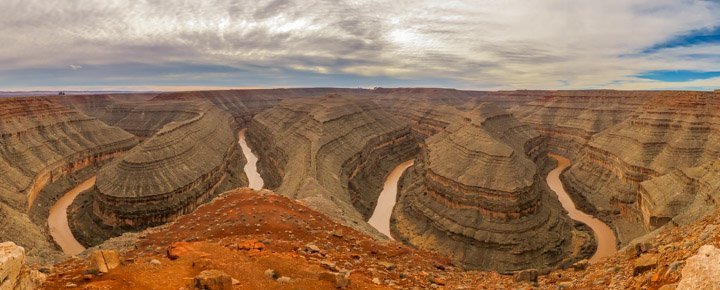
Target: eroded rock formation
{"type": "Point", "coordinates": [167, 175]}
{"type": "Point", "coordinates": [674, 130]}
{"type": "Point", "coordinates": [42, 143]}
{"type": "Point", "coordinates": [476, 195]}
{"type": "Point", "coordinates": [333, 152]}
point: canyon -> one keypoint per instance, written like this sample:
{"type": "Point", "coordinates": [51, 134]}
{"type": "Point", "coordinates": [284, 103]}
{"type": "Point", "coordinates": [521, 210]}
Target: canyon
{"type": "Point", "coordinates": [492, 181]}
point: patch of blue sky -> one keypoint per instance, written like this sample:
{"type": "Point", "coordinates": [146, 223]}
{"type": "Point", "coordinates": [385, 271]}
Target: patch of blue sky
{"type": "Point", "coordinates": [678, 75]}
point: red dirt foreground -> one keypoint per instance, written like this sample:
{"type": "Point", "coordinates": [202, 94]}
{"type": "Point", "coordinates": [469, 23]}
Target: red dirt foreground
{"type": "Point", "coordinates": [246, 239]}
{"type": "Point", "coordinates": [264, 241]}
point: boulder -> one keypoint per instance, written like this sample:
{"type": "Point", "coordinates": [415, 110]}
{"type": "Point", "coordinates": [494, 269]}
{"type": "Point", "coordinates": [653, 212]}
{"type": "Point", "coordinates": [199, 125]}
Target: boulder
{"type": "Point", "coordinates": [12, 259]}
{"type": "Point", "coordinates": [13, 273]}
{"type": "Point", "coordinates": [104, 260]}
{"type": "Point", "coordinates": [645, 263]}
{"type": "Point", "coordinates": [702, 271]}
{"type": "Point", "coordinates": [529, 275]}
{"type": "Point", "coordinates": [213, 280]}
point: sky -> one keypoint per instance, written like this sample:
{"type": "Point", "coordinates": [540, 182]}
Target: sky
{"type": "Point", "coordinates": [480, 44]}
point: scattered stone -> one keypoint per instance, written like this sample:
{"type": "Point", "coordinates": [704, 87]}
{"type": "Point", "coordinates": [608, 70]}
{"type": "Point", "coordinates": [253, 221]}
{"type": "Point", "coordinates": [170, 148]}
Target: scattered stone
{"type": "Point", "coordinates": [565, 285]}
{"type": "Point", "coordinates": [329, 266]}
{"type": "Point", "coordinates": [312, 248]}
{"type": "Point", "coordinates": [645, 263]}
{"type": "Point", "coordinates": [270, 273]}
{"type": "Point", "coordinates": [580, 265]}
{"type": "Point", "coordinates": [376, 281]}
{"type": "Point", "coordinates": [104, 260]}
{"type": "Point", "coordinates": [155, 262]}
{"type": "Point", "coordinates": [529, 275]}
{"type": "Point", "coordinates": [340, 280]}
{"type": "Point", "coordinates": [387, 266]}
{"type": "Point", "coordinates": [284, 279]}
{"type": "Point", "coordinates": [642, 247]}
{"type": "Point", "coordinates": [213, 280]}
{"type": "Point", "coordinates": [702, 271]}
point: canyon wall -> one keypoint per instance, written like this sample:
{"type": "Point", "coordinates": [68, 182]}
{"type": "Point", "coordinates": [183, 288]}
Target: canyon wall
{"type": "Point", "coordinates": [42, 143]}
{"type": "Point", "coordinates": [476, 195]}
{"type": "Point", "coordinates": [669, 134]}
{"type": "Point", "coordinates": [169, 174]}
{"type": "Point", "coordinates": [332, 152]}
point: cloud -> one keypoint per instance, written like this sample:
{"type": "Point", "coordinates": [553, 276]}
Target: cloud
{"type": "Point", "coordinates": [467, 44]}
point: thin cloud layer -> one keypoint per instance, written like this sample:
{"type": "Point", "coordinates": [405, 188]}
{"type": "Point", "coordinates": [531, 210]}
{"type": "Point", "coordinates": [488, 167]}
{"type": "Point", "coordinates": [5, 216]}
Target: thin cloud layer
{"type": "Point", "coordinates": [552, 44]}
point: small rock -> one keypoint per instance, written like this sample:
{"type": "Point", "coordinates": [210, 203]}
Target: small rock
{"type": "Point", "coordinates": [155, 262]}
{"type": "Point", "coordinates": [376, 281]}
{"type": "Point", "coordinates": [270, 273]}
{"type": "Point", "coordinates": [104, 260]}
{"type": "Point", "coordinates": [70, 285]}
{"type": "Point", "coordinates": [213, 280]}
{"type": "Point", "coordinates": [565, 285]}
{"type": "Point", "coordinates": [340, 280]}
{"type": "Point", "coordinates": [702, 271]}
{"type": "Point", "coordinates": [642, 247]}
{"type": "Point", "coordinates": [284, 279]}
{"type": "Point", "coordinates": [645, 263]}
{"type": "Point", "coordinates": [329, 266]}
{"type": "Point", "coordinates": [529, 275]}
{"type": "Point", "coordinates": [387, 266]}
{"type": "Point", "coordinates": [580, 265]}
{"type": "Point", "coordinates": [669, 287]}
{"type": "Point", "coordinates": [312, 248]}
{"type": "Point", "coordinates": [337, 234]}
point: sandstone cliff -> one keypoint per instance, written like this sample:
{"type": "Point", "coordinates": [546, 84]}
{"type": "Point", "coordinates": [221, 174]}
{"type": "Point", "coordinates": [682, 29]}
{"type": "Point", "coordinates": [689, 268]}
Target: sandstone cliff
{"type": "Point", "coordinates": [41, 143]}
{"type": "Point", "coordinates": [476, 195]}
{"type": "Point", "coordinates": [333, 152]}
{"type": "Point", "coordinates": [169, 174]}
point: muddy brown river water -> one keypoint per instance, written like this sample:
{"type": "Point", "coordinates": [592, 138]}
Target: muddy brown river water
{"type": "Point", "coordinates": [255, 180]}
{"type": "Point", "coordinates": [603, 234]}
{"type": "Point", "coordinates": [380, 218]}
{"type": "Point", "coordinates": [58, 222]}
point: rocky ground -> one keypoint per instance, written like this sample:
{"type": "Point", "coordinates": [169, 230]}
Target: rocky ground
{"type": "Point", "coordinates": [260, 240]}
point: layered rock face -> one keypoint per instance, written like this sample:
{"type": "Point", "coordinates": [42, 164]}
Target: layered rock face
{"type": "Point", "coordinates": [333, 152]}
{"type": "Point", "coordinates": [476, 195]}
{"type": "Point", "coordinates": [673, 131]}
{"type": "Point", "coordinates": [244, 104]}
{"type": "Point", "coordinates": [570, 118]}
{"type": "Point", "coordinates": [144, 119]}
{"type": "Point", "coordinates": [167, 175]}
{"type": "Point", "coordinates": [42, 142]}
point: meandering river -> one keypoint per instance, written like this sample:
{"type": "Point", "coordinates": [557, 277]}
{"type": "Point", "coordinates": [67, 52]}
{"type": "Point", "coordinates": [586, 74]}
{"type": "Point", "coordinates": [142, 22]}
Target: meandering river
{"type": "Point", "coordinates": [58, 221]}
{"type": "Point", "coordinates": [255, 180]}
{"type": "Point", "coordinates": [606, 241]}
{"type": "Point", "coordinates": [380, 218]}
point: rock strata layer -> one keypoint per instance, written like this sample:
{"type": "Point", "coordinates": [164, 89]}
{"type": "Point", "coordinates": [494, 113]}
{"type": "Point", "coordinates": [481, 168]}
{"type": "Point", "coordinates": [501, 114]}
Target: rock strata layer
{"type": "Point", "coordinates": [476, 195]}
{"type": "Point", "coordinates": [42, 143]}
{"type": "Point", "coordinates": [169, 174]}
{"type": "Point", "coordinates": [333, 152]}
